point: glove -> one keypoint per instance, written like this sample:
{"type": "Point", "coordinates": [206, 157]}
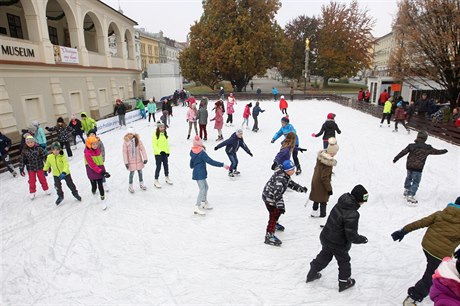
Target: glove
{"type": "Point", "coordinates": [313, 135]}
{"type": "Point", "coordinates": [302, 150]}
{"type": "Point", "coordinates": [21, 172]}
{"type": "Point", "coordinates": [282, 210]}
{"type": "Point", "coordinates": [329, 192]}
{"type": "Point", "coordinates": [398, 235]}
{"type": "Point", "coordinates": [363, 240]}
{"type": "Point", "coordinates": [227, 167]}
{"type": "Point", "coordinates": [250, 154]}
{"type": "Point", "coordinates": [62, 176]}
{"type": "Point", "coordinates": [303, 189]}
{"type": "Point", "coordinates": [215, 148]}
{"type": "Point", "coordinates": [273, 141]}
{"type": "Point", "coordinates": [162, 153]}
{"type": "Point", "coordinates": [45, 173]}
{"type": "Point", "coordinates": [274, 166]}
{"type": "Point", "coordinates": [145, 161]}
{"type": "Point", "coordinates": [394, 160]}
{"type": "Point", "coordinates": [47, 128]}
{"type": "Point", "coordinates": [49, 170]}
{"type": "Point", "coordinates": [105, 174]}
{"type": "Point", "coordinates": [127, 166]}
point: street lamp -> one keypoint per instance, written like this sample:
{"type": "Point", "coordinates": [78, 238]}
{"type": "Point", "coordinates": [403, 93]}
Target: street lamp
{"type": "Point", "coordinates": [307, 55]}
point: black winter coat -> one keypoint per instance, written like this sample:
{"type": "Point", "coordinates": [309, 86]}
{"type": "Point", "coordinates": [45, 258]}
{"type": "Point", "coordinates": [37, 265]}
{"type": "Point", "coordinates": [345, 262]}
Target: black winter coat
{"type": "Point", "coordinates": [5, 142]}
{"type": "Point", "coordinates": [62, 132]}
{"type": "Point", "coordinates": [120, 109]}
{"type": "Point", "coordinates": [32, 158]}
{"type": "Point", "coordinates": [76, 127]}
{"type": "Point", "coordinates": [418, 152]}
{"type": "Point", "coordinates": [232, 144]}
{"type": "Point", "coordinates": [341, 229]}
{"type": "Point", "coordinates": [276, 187]}
{"type": "Point", "coordinates": [329, 128]}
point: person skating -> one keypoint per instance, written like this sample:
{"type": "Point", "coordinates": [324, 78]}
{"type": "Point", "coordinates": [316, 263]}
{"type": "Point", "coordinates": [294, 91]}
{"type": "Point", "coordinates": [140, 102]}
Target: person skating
{"type": "Point", "coordinates": [439, 241]}
{"type": "Point", "coordinates": [232, 144]}
{"type": "Point", "coordinates": [61, 171]}
{"type": "Point", "coordinates": [198, 161]}
{"type": "Point", "coordinates": [246, 114]}
{"type": "Point", "coordinates": [418, 152]}
{"type": "Point", "coordinates": [286, 128]}
{"type": "Point", "coordinates": [100, 146]}
{"type": "Point", "coordinates": [33, 158]}
{"type": "Point", "coordinates": [203, 118]}
{"type": "Point", "coordinates": [5, 145]}
{"type": "Point", "coordinates": [255, 115]}
{"type": "Point", "coordinates": [272, 196]}
{"type": "Point", "coordinates": [62, 135]}
{"type": "Point", "coordinates": [230, 109]}
{"type": "Point", "coordinates": [328, 129]}
{"type": "Point", "coordinates": [321, 187]}
{"type": "Point", "coordinates": [87, 123]}
{"type": "Point", "coordinates": [446, 282]}
{"type": "Point", "coordinates": [120, 110]}
{"type": "Point", "coordinates": [152, 109]}
{"type": "Point", "coordinates": [77, 130]}
{"type": "Point", "coordinates": [387, 111]}
{"type": "Point", "coordinates": [283, 106]}
{"type": "Point", "coordinates": [161, 150]}
{"type": "Point", "coordinates": [39, 135]}
{"type": "Point", "coordinates": [192, 114]}
{"type": "Point", "coordinates": [134, 157]}
{"type": "Point", "coordinates": [219, 119]}
{"type": "Point", "coordinates": [400, 117]}
{"type": "Point", "coordinates": [287, 147]}
{"type": "Point", "coordinates": [340, 231]}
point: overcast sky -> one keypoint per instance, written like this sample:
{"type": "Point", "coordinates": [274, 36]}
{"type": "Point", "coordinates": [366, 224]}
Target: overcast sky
{"type": "Point", "coordinates": [174, 17]}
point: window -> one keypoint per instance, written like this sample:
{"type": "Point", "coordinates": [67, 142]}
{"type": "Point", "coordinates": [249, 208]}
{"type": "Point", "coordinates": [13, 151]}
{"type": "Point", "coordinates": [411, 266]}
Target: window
{"type": "Point", "coordinates": [150, 49]}
{"type": "Point", "coordinates": [53, 35]}
{"type": "Point", "coordinates": [14, 23]}
{"type": "Point", "coordinates": [76, 104]}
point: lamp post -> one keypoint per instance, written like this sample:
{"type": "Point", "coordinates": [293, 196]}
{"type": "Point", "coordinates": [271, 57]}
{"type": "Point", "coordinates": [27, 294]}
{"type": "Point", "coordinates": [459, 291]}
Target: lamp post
{"type": "Point", "coordinates": [307, 55]}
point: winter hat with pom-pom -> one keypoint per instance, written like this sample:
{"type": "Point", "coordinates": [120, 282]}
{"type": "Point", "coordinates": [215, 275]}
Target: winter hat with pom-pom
{"type": "Point", "coordinates": [287, 165]}
{"type": "Point", "coordinates": [197, 141]}
{"type": "Point", "coordinates": [330, 116]}
{"type": "Point", "coordinates": [282, 97]}
{"type": "Point", "coordinates": [333, 147]}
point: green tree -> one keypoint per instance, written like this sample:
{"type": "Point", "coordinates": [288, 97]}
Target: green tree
{"type": "Point", "coordinates": [344, 40]}
{"type": "Point", "coordinates": [234, 40]}
{"type": "Point", "coordinates": [430, 50]}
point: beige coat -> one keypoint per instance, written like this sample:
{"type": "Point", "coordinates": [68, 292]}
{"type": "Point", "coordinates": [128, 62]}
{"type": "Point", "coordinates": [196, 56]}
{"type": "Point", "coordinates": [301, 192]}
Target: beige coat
{"type": "Point", "coordinates": [321, 180]}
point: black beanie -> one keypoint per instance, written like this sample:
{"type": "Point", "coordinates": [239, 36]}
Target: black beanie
{"type": "Point", "coordinates": [422, 136]}
{"type": "Point", "coordinates": [360, 193]}
{"type": "Point", "coordinates": [60, 120]}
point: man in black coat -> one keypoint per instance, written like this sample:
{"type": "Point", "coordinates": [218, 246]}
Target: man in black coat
{"type": "Point", "coordinates": [5, 145]}
{"type": "Point", "coordinates": [340, 231]}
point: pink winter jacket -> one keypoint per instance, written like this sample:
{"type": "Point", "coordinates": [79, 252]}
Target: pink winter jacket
{"type": "Point", "coordinates": [134, 156]}
{"type": "Point", "coordinates": [191, 115]}
{"type": "Point", "coordinates": [230, 103]}
{"type": "Point", "coordinates": [247, 112]}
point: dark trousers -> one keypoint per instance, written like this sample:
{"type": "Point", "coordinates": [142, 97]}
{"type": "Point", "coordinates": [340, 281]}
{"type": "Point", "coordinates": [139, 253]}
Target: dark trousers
{"type": "Point", "coordinates": [256, 123]}
{"type": "Point", "coordinates": [233, 161]}
{"type": "Point", "coordinates": [68, 181]}
{"type": "Point", "coordinates": [284, 111]}
{"type": "Point", "coordinates": [322, 208]}
{"type": "Point", "coordinates": [229, 118]}
{"type": "Point", "coordinates": [203, 132]}
{"type": "Point", "coordinates": [66, 145]}
{"type": "Point", "coordinates": [6, 158]}
{"type": "Point", "coordinates": [75, 139]}
{"type": "Point", "coordinates": [402, 122]}
{"type": "Point", "coordinates": [295, 157]}
{"type": "Point", "coordinates": [97, 184]}
{"type": "Point", "coordinates": [387, 116]}
{"type": "Point", "coordinates": [121, 119]}
{"type": "Point", "coordinates": [325, 143]}
{"type": "Point", "coordinates": [152, 115]}
{"type": "Point", "coordinates": [274, 215]}
{"type": "Point", "coordinates": [161, 159]}
{"type": "Point", "coordinates": [422, 287]}
{"type": "Point", "coordinates": [324, 258]}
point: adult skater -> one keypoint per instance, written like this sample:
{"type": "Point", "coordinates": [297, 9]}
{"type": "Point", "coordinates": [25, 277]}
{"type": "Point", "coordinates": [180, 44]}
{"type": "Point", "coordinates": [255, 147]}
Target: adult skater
{"type": "Point", "coordinates": [328, 130]}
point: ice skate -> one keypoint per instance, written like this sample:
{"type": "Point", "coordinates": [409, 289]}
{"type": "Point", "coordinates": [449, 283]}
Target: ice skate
{"type": "Point", "coordinates": [231, 174]}
{"type": "Point", "coordinates": [32, 196]}
{"type": "Point", "coordinates": [395, 131]}
{"type": "Point", "coordinates": [59, 200]}
{"type": "Point", "coordinates": [48, 191]}
{"type": "Point", "coordinates": [77, 196]}
{"type": "Point", "coordinates": [314, 213]}
{"type": "Point", "coordinates": [74, 147]}
{"type": "Point", "coordinates": [411, 200]}
{"type": "Point", "coordinates": [188, 136]}
{"type": "Point", "coordinates": [345, 284]}
{"type": "Point", "coordinates": [14, 174]}
{"type": "Point", "coordinates": [70, 158]}
{"type": "Point", "coordinates": [312, 277]}
{"type": "Point", "coordinates": [198, 211]}
{"type": "Point", "coordinates": [157, 184]}
{"type": "Point", "coordinates": [381, 125]}
{"type": "Point", "coordinates": [130, 188]}
{"type": "Point", "coordinates": [206, 206]}
{"type": "Point", "coordinates": [168, 180]}
{"type": "Point", "coordinates": [409, 301]}
{"type": "Point", "coordinates": [104, 203]}
{"type": "Point", "coordinates": [279, 227]}
{"type": "Point", "coordinates": [142, 186]}
{"type": "Point", "coordinates": [272, 240]}
{"type": "Point", "coordinates": [389, 125]}
{"type": "Point", "coordinates": [236, 172]}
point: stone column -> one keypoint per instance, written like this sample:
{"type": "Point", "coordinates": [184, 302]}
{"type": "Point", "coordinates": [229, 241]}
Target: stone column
{"type": "Point", "coordinates": [8, 124]}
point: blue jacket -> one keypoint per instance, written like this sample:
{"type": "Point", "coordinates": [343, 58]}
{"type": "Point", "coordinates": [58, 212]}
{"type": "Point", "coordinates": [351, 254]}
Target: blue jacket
{"type": "Point", "coordinates": [198, 163]}
{"type": "Point", "coordinates": [5, 142]}
{"type": "Point", "coordinates": [232, 144]}
{"type": "Point", "coordinates": [283, 154]}
{"type": "Point", "coordinates": [284, 130]}
{"type": "Point", "coordinates": [256, 110]}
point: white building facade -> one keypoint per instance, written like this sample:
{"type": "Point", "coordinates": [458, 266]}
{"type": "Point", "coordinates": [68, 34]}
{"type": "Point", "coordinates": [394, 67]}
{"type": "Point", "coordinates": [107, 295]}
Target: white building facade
{"type": "Point", "coordinates": [59, 57]}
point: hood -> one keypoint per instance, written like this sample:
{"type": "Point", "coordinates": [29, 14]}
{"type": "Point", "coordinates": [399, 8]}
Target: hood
{"type": "Point", "coordinates": [326, 159]}
{"type": "Point", "coordinates": [197, 149]}
{"type": "Point", "coordinates": [196, 155]}
{"type": "Point", "coordinates": [84, 113]}
{"type": "Point", "coordinates": [348, 202]}
{"type": "Point", "coordinates": [452, 213]}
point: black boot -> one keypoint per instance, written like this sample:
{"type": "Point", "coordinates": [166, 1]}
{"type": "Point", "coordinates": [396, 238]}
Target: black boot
{"type": "Point", "coordinates": [188, 136]}
{"type": "Point", "coordinates": [322, 209]}
{"type": "Point", "coordinates": [77, 196]}
{"type": "Point", "coordinates": [345, 284]}
{"type": "Point", "coordinates": [59, 200]}
{"type": "Point", "coordinates": [279, 227]}
{"type": "Point", "coordinates": [313, 276]}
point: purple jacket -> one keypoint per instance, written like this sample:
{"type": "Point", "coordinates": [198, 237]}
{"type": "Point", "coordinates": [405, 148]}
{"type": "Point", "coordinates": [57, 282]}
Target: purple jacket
{"type": "Point", "coordinates": [94, 163]}
{"type": "Point", "coordinates": [283, 154]}
{"type": "Point", "coordinates": [442, 295]}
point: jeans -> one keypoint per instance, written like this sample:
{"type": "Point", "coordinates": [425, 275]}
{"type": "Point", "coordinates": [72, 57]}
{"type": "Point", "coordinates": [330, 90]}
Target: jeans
{"type": "Point", "coordinates": [412, 181]}
{"type": "Point", "coordinates": [203, 193]}
{"type": "Point", "coordinates": [131, 176]}
{"type": "Point", "coordinates": [256, 124]}
{"type": "Point", "coordinates": [324, 258]}
{"type": "Point", "coordinates": [233, 161]}
{"type": "Point", "coordinates": [422, 287]}
{"type": "Point", "coordinates": [75, 139]}
{"type": "Point", "coordinates": [121, 120]}
{"type": "Point", "coordinates": [161, 159]}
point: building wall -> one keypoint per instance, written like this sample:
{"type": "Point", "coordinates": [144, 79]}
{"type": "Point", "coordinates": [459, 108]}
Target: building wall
{"type": "Point", "coordinates": [382, 51]}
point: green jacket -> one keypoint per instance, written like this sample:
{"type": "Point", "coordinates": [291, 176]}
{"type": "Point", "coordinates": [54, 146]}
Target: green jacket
{"type": "Point", "coordinates": [161, 144]}
{"type": "Point", "coordinates": [387, 107]}
{"type": "Point", "coordinates": [443, 233]}
{"type": "Point", "coordinates": [58, 164]}
{"type": "Point", "coordinates": [140, 104]}
{"type": "Point", "coordinates": [87, 123]}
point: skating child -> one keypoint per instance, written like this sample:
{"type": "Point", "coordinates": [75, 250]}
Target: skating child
{"type": "Point", "coordinates": [286, 128]}
{"type": "Point", "coordinates": [100, 146]}
{"type": "Point", "coordinates": [39, 135]}
{"type": "Point", "coordinates": [134, 157]}
{"type": "Point", "coordinates": [255, 114]}
{"type": "Point", "coordinates": [161, 150]}
{"type": "Point", "coordinates": [203, 119]}
{"type": "Point", "coordinates": [321, 188]}
{"type": "Point", "coordinates": [287, 147]}
{"type": "Point", "coordinates": [328, 130]}
{"type": "Point", "coordinates": [230, 109]}
{"type": "Point", "coordinates": [439, 241]}
{"type": "Point", "coordinates": [192, 114]}
{"type": "Point", "coordinates": [283, 106]}
{"type": "Point", "coordinates": [5, 145]}
{"type": "Point", "coordinates": [32, 158]}
{"type": "Point", "coordinates": [340, 231]}
{"type": "Point", "coordinates": [88, 123]}
{"type": "Point", "coordinates": [152, 108]}
{"type": "Point", "coordinates": [164, 118]}
{"type": "Point", "coordinates": [418, 152]}
{"type": "Point", "coordinates": [232, 144]}
{"type": "Point", "coordinates": [446, 282]}
{"type": "Point", "coordinates": [62, 135]}
{"type": "Point", "coordinates": [141, 107]}
{"type": "Point", "coordinates": [400, 117]}
{"type": "Point", "coordinates": [95, 168]}
{"type": "Point", "coordinates": [272, 195]}
{"type": "Point", "coordinates": [246, 114]}
{"type": "Point", "coordinates": [120, 110]}
{"type": "Point", "coordinates": [387, 111]}
{"type": "Point", "coordinates": [77, 130]}
{"type": "Point", "coordinates": [198, 161]}
{"type": "Point", "coordinates": [219, 119]}
{"type": "Point", "coordinates": [61, 171]}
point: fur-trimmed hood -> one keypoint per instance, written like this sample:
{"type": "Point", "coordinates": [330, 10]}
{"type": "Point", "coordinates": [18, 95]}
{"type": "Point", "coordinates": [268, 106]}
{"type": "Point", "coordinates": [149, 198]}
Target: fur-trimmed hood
{"type": "Point", "coordinates": [326, 159]}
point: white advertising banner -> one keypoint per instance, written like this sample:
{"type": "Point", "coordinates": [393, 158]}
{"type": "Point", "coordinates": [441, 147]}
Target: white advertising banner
{"type": "Point", "coordinates": [65, 55]}
{"type": "Point", "coordinates": [111, 123]}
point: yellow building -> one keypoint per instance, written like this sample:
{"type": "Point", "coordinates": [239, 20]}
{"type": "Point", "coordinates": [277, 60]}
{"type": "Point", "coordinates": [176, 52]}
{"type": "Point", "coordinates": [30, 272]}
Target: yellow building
{"type": "Point", "coordinates": [150, 49]}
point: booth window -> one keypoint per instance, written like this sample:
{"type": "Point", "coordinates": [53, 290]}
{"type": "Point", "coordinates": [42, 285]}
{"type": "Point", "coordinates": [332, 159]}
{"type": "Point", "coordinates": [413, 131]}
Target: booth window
{"type": "Point", "coordinates": [52, 31]}
{"type": "Point", "coordinates": [14, 23]}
